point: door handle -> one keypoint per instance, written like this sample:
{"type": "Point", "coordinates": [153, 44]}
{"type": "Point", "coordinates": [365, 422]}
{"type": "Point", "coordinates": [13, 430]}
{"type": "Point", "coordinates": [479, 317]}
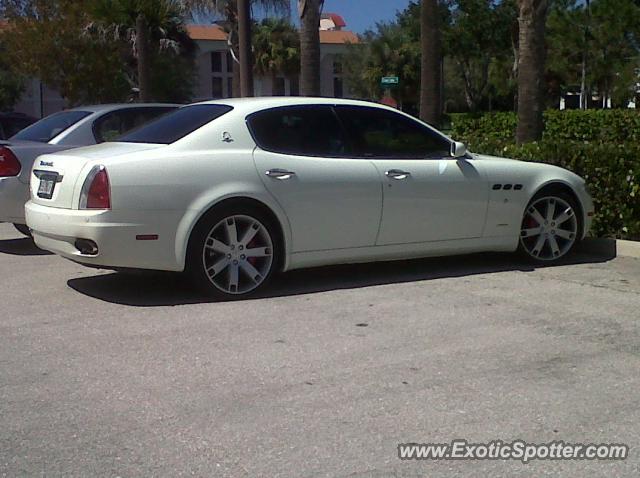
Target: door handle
{"type": "Point", "coordinates": [397, 174]}
{"type": "Point", "coordinates": [280, 173]}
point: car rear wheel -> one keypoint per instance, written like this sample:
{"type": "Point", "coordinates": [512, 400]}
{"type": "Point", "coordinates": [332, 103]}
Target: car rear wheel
{"type": "Point", "coordinates": [233, 252]}
{"type": "Point", "coordinates": [550, 227]}
{"type": "Point", "coordinates": [23, 229]}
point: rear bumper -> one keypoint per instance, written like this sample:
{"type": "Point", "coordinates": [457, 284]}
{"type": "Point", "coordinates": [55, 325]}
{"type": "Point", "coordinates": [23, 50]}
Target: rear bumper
{"type": "Point", "coordinates": [57, 230]}
{"type": "Point", "coordinates": [13, 195]}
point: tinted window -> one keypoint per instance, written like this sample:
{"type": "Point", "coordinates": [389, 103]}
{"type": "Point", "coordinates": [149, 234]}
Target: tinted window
{"type": "Point", "coordinates": [379, 133]}
{"type": "Point", "coordinates": [303, 130]}
{"type": "Point", "coordinates": [116, 123]}
{"type": "Point", "coordinates": [48, 128]}
{"type": "Point", "coordinates": [174, 126]}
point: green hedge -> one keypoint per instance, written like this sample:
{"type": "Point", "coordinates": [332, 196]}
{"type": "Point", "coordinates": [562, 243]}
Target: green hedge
{"type": "Point", "coordinates": [607, 126]}
{"type": "Point", "coordinates": [600, 146]}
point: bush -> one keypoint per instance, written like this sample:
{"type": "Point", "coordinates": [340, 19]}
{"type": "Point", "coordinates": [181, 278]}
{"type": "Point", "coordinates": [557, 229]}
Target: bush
{"type": "Point", "coordinates": [607, 126]}
{"type": "Point", "coordinates": [601, 146]}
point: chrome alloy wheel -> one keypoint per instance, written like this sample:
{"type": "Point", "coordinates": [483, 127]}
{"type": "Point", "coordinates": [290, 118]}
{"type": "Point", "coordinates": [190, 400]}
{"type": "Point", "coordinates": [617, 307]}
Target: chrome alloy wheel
{"type": "Point", "coordinates": [237, 254]}
{"type": "Point", "coordinates": [549, 228]}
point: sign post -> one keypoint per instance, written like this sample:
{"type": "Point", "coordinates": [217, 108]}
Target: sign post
{"type": "Point", "coordinates": [388, 82]}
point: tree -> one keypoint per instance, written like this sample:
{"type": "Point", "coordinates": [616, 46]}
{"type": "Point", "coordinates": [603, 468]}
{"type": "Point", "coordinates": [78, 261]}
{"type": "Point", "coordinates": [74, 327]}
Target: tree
{"type": "Point", "coordinates": [141, 23]}
{"type": "Point", "coordinates": [393, 49]}
{"type": "Point", "coordinates": [478, 41]}
{"type": "Point", "coordinates": [228, 10]}
{"type": "Point", "coordinates": [276, 48]}
{"type": "Point", "coordinates": [532, 15]}
{"type": "Point", "coordinates": [309, 11]}
{"type": "Point", "coordinates": [244, 47]}
{"type": "Point", "coordinates": [431, 63]}
{"type": "Point", "coordinates": [45, 39]}
{"type": "Point", "coordinates": [11, 83]}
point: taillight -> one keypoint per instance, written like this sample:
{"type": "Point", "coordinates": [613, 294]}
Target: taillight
{"type": "Point", "coordinates": [96, 192]}
{"type": "Point", "coordinates": [9, 164]}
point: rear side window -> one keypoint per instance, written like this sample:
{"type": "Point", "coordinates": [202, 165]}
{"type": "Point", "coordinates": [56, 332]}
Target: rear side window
{"type": "Point", "coordinates": [48, 128]}
{"type": "Point", "coordinates": [174, 126]}
{"type": "Point", "coordinates": [114, 124]}
{"type": "Point", "coordinates": [301, 130]}
{"type": "Point", "coordinates": [379, 133]}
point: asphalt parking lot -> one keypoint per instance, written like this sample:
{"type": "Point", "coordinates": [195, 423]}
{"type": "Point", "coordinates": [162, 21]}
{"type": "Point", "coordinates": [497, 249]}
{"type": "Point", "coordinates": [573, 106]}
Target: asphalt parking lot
{"type": "Point", "coordinates": [105, 374]}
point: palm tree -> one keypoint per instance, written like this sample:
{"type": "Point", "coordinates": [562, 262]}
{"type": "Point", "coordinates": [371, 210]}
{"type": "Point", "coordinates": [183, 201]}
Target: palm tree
{"type": "Point", "coordinates": [309, 11]}
{"type": "Point", "coordinates": [228, 9]}
{"type": "Point", "coordinates": [430, 71]}
{"type": "Point", "coordinates": [532, 15]}
{"type": "Point", "coordinates": [140, 22]}
{"type": "Point", "coordinates": [276, 49]}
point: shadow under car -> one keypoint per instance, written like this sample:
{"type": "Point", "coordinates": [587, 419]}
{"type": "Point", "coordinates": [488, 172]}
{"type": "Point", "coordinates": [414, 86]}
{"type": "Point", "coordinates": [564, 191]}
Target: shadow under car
{"type": "Point", "coordinates": [152, 289]}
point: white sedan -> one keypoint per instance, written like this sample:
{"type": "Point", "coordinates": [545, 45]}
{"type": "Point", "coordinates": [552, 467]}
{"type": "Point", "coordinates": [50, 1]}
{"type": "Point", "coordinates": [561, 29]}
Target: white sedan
{"type": "Point", "coordinates": [233, 191]}
{"type": "Point", "coordinates": [60, 131]}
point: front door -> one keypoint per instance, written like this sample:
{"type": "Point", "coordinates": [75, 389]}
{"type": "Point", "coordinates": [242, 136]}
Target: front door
{"type": "Point", "coordinates": [427, 194]}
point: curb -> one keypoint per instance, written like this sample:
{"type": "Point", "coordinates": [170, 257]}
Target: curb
{"type": "Point", "coordinates": [611, 247]}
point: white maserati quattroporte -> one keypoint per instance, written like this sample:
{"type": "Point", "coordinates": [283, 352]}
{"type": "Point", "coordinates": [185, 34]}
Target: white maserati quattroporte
{"type": "Point", "coordinates": [233, 191]}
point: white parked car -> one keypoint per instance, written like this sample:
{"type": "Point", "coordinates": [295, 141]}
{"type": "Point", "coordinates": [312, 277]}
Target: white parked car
{"type": "Point", "coordinates": [233, 191]}
{"type": "Point", "coordinates": [64, 130]}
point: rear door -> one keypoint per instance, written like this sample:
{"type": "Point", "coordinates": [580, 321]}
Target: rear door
{"type": "Point", "coordinates": [428, 195]}
{"type": "Point", "coordinates": [332, 201]}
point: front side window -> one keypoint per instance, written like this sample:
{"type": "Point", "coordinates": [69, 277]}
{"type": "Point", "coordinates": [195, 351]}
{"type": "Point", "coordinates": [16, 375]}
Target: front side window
{"type": "Point", "coordinates": [48, 128]}
{"type": "Point", "coordinates": [176, 125]}
{"type": "Point", "coordinates": [114, 124]}
{"type": "Point", "coordinates": [379, 133]}
{"type": "Point", "coordinates": [300, 130]}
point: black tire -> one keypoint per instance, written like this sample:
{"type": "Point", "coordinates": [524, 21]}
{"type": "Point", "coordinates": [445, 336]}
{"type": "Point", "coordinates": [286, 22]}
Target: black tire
{"type": "Point", "coordinates": [570, 235]}
{"type": "Point", "coordinates": [23, 229]}
{"type": "Point", "coordinates": [197, 258]}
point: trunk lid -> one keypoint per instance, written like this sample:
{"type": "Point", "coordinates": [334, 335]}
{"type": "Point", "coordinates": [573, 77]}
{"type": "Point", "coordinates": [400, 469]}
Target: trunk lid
{"type": "Point", "coordinates": [56, 179]}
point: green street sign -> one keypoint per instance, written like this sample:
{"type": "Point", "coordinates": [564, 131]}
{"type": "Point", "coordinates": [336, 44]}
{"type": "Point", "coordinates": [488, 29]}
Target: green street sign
{"type": "Point", "coordinates": [389, 80]}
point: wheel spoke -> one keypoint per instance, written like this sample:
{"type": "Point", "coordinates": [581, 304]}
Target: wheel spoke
{"type": "Point", "coordinates": [234, 270]}
{"type": "Point", "coordinates": [250, 233]}
{"type": "Point", "coordinates": [537, 249]}
{"type": "Point", "coordinates": [218, 267]}
{"type": "Point", "coordinates": [564, 216]}
{"type": "Point", "coordinates": [258, 252]}
{"type": "Point", "coordinates": [217, 246]}
{"type": "Point", "coordinates": [535, 214]}
{"type": "Point", "coordinates": [232, 231]}
{"type": "Point", "coordinates": [551, 209]}
{"type": "Point", "coordinates": [534, 231]}
{"type": "Point", "coordinates": [251, 271]}
{"type": "Point", "coordinates": [554, 245]}
{"type": "Point", "coordinates": [568, 235]}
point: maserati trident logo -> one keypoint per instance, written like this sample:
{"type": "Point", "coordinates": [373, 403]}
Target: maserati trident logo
{"type": "Point", "coordinates": [47, 163]}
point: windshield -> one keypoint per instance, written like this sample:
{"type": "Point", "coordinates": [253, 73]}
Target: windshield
{"type": "Point", "coordinates": [48, 128]}
{"type": "Point", "coordinates": [174, 126]}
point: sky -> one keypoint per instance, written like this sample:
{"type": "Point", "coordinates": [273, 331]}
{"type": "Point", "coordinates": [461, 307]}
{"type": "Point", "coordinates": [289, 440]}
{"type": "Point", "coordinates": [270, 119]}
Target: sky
{"type": "Point", "coordinates": [360, 15]}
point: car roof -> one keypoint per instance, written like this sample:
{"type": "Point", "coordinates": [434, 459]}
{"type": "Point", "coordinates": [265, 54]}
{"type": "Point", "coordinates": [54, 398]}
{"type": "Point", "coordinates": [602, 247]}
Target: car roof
{"type": "Point", "coordinates": [249, 105]}
{"type": "Point", "coordinates": [119, 106]}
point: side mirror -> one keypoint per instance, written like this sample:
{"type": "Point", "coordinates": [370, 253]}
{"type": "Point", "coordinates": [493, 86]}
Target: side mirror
{"type": "Point", "coordinates": [458, 149]}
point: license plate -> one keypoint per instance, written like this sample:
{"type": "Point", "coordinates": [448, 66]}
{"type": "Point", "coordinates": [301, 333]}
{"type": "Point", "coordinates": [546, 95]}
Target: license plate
{"type": "Point", "coordinates": [47, 184]}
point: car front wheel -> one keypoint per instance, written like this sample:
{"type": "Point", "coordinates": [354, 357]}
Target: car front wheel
{"type": "Point", "coordinates": [550, 227]}
{"type": "Point", "coordinates": [233, 253]}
